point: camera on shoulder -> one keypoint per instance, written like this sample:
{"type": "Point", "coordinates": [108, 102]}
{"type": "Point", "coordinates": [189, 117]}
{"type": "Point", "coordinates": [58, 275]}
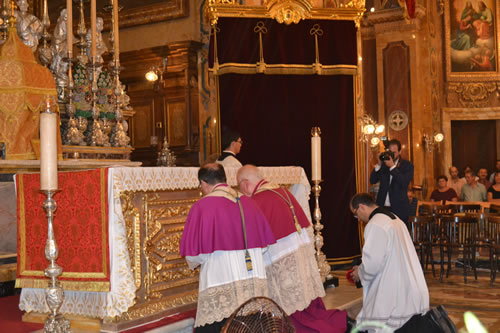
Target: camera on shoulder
{"type": "Point", "coordinates": [386, 154]}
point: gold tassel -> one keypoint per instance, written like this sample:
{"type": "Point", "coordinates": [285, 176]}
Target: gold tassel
{"type": "Point", "coordinates": [296, 221]}
{"type": "Point", "coordinates": [248, 261]}
{"type": "Point", "coordinates": [297, 225]}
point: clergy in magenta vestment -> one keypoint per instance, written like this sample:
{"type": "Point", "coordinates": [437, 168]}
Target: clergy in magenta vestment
{"type": "Point", "coordinates": [394, 287]}
{"type": "Point", "coordinates": [214, 238]}
{"type": "Point", "coordinates": [293, 277]}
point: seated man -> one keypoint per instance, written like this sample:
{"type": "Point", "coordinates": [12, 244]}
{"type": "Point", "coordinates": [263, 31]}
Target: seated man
{"type": "Point", "coordinates": [293, 278]}
{"type": "Point", "coordinates": [226, 235]}
{"type": "Point", "coordinates": [231, 143]}
{"type": "Point", "coordinates": [473, 191]}
{"type": "Point", "coordinates": [483, 178]}
{"type": "Point", "coordinates": [395, 293]}
{"type": "Point", "coordinates": [455, 182]}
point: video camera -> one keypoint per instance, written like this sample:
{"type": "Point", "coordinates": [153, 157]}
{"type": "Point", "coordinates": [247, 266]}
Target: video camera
{"type": "Point", "coordinates": [386, 154]}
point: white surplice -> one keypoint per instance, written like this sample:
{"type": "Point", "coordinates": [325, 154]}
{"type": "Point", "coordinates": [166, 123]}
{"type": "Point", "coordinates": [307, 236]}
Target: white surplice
{"type": "Point", "coordinates": [230, 162]}
{"type": "Point", "coordinates": [394, 287]}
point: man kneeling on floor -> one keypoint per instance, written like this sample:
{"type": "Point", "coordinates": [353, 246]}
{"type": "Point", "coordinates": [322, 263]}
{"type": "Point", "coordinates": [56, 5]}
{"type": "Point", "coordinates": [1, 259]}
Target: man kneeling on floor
{"type": "Point", "coordinates": [292, 277]}
{"type": "Point", "coordinates": [395, 293]}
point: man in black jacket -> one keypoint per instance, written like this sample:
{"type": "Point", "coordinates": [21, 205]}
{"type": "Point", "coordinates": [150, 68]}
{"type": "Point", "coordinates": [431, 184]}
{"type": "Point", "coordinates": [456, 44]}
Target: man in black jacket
{"type": "Point", "coordinates": [394, 175]}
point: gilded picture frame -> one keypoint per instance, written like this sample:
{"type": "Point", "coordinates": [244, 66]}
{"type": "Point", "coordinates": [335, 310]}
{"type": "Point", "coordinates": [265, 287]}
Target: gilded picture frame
{"type": "Point", "coordinates": [134, 13]}
{"type": "Point", "coordinates": [471, 39]}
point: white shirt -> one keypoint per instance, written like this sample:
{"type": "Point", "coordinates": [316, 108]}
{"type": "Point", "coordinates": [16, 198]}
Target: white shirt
{"type": "Point", "coordinates": [394, 287]}
{"type": "Point", "coordinates": [377, 168]}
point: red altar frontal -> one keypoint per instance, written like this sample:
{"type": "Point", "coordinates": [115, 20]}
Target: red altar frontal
{"type": "Point", "coordinates": [118, 232]}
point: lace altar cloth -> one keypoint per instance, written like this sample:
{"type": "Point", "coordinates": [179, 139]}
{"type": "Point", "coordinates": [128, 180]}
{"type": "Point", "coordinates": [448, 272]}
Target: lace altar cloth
{"type": "Point", "coordinates": [122, 294]}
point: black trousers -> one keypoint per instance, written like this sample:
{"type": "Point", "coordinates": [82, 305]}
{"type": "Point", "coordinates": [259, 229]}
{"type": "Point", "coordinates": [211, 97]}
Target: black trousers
{"type": "Point", "coordinates": [420, 323]}
{"type": "Point", "coordinates": [417, 324]}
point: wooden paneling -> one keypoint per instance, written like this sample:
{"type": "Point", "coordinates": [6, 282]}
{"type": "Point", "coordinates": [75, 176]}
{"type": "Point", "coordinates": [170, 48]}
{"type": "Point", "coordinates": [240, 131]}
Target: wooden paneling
{"type": "Point", "coordinates": [141, 126]}
{"type": "Point", "coordinates": [474, 144]}
{"type": "Point", "coordinates": [370, 77]}
{"type": "Point", "coordinates": [172, 103]}
{"type": "Point", "coordinates": [177, 123]}
{"type": "Point", "coordinates": [397, 90]}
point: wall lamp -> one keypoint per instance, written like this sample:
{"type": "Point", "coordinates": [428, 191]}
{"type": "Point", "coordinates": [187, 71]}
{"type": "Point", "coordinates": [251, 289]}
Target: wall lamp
{"type": "Point", "coordinates": [370, 130]}
{"type": "Point", "coordinates": [430, 141]}
{"type": "Point", "coordinates": [157, 71]}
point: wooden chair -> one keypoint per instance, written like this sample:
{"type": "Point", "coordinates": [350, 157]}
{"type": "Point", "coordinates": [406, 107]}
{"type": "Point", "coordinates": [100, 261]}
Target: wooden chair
{"type": "Point", "coordinates": [430, 208]}
{"type": "Point", "coordinates": [465, 206]}
{"type": "Point", "coordinates": [492, 239]}
{"type": "Point", "coordinates": [495, 208]}
{"type": "Point", "coordinates": [421, 228]}
{"type": "Point", "coordinates": [461, 232]}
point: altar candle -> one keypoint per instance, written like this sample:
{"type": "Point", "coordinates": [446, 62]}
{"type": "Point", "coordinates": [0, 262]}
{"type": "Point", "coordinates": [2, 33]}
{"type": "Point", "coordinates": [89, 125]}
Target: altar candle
{"type": "Point", "coordinates": [93, 24]}
{"type": "Point", "coordinates": [316, 154]}
{"type": "Point", "coordinates": [69, 27]}
{"type": "Point", "coordinates": [48, 151]}
{"type": "Point", "coordinates": [116, 30]}
{"type": "Point", "coordinates": [45, 10]}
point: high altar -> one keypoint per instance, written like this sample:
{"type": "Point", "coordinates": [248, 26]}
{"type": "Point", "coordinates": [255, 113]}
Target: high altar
{"type": "Point", "coordinates": [148, 278]}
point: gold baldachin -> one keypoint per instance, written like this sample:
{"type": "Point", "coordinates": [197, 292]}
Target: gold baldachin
{"type": "Point", "coordinates": [352, 11]}
{"type": "Point", "coordinates": [289, 11]}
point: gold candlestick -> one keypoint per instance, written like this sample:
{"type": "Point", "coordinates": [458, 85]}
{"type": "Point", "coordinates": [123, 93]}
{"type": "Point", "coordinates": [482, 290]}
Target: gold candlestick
{"type": "Point", "coordinates": [323, 266]}
{"type": "Point", "coordinates": [54, 294]}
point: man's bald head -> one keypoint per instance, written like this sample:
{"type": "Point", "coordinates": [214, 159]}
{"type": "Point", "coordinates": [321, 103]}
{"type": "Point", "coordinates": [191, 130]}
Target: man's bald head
{"type": "Point", "coordinates": [248, 177]}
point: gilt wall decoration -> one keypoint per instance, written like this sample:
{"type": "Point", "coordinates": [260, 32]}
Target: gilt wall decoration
{"type": "Point", "coordinates": [471, 39]}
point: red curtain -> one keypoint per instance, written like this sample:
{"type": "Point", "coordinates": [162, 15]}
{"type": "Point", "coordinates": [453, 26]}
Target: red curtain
{"type": "Point", "coordinates": [275, 113]}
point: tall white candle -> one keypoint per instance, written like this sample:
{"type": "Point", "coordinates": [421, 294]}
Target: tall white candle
{"type": "Point", "coordinates": [93, 26]}
{"type": "Point", "coordinates": [116, 30]}
{"type": "Point", "coordinates": [316, 155]}
{"type": "Point", "coordinates": [48, 151]}
{"type": "Point", "coordinates": [69, 27]}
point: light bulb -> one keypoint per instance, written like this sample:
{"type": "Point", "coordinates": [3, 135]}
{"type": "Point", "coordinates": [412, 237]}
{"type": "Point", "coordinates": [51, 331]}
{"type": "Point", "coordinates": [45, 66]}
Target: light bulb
{"type": "Point", "coordinates": [438, 137]}
{"type": "Point", "coordinates": [151, 76]}
{"type": "Point", "coordinates": [379, 129]}
{"type": "Point", "coordinates": [368, 129]}
{"type": "Point", "coordinates": [374, 141]}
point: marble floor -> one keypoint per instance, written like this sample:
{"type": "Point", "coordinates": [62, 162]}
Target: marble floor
{"type": "Point", "coordinates": [480, 297]}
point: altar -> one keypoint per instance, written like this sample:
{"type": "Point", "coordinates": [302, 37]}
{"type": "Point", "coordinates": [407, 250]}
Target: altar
{"type": "Point", "coordinates": [148, 277]}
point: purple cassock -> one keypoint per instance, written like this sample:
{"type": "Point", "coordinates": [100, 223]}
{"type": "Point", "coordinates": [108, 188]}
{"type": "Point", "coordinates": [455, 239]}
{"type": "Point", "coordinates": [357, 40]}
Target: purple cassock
{"type": "Point", "coordinates": [315, 318]}
{"type": "Point", "coordinates": [214, 224]}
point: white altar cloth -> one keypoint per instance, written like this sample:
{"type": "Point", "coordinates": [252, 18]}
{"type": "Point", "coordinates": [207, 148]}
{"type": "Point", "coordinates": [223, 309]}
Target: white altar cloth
{"type": "Point", "coordinates": [122, 294]}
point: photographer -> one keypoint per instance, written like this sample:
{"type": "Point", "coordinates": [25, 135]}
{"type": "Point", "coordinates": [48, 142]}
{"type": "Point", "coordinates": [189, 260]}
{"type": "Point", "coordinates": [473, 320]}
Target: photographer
{"type": "Point", "coordinates": [394, 174]}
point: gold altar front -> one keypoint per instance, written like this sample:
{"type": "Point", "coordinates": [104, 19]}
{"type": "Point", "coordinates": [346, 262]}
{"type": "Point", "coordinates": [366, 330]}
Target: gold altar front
{"type": "Point", "coordinates": [154, 222]}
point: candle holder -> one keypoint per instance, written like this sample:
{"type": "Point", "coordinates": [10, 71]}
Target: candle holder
{"type": "Point", "coordinates": [97, 136]}
{"type": "Point", "coordinates": [82, 32]}
{"type": "Point", "coordinates": [323, 266]}
{"type": "Point", "coordinates": [4, 15]}
{"type": "Point", "coordinates": [119, 137]}
{"type": "Point", "coordinates": [73, 135]}
{"type": "Point", "coordinates": [54, 294]}
{"type": "Point", "coordinates": [45, 52]}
